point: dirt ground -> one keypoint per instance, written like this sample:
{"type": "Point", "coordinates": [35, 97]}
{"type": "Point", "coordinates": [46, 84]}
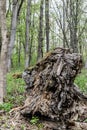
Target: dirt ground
{"type": "Point", "coordinates": [11, 121]}
{"type": "Point", "coordinates": [14, 121]}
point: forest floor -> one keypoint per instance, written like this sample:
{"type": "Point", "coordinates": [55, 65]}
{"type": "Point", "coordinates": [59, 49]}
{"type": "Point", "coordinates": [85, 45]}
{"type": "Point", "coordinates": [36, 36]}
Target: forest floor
{"type": "Point", "coordinates": [16, 97]}
{"type": "Point", "coordinates": [9, 123]}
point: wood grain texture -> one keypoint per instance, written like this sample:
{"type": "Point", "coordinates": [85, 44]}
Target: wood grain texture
{"type": "Point", "coordinates": [51, 92]}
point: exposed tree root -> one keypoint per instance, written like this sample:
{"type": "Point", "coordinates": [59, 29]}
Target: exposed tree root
{"type": "Point", "coordinates": [52, 94]}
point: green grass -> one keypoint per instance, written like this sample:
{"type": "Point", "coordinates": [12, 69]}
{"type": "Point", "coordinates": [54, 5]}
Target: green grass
{"type": "Point", "coordinates": [6, 106]}
{"type": "Point", "coordinates": [15, 90]}
{"type": "Point", "coordinates": [81, 80]}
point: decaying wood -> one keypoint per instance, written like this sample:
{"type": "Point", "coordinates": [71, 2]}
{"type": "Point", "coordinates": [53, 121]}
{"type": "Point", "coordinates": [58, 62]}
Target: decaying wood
{"type": "Point", "coordinates": [77, 126]}
{"type": "Point", "coordinates": [51, 92]}
{"type": "Point", "coordinates": [17, 75]}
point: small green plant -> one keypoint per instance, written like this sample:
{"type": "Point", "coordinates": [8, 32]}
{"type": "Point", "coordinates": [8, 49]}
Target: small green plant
{"type": "Point", "coordinates": [34, 120]}
{"type": "Point", "coordinates": [85, 120]}
{"type": "Point", "coordinates": [40, 126]}
{"type": "Point", "coordinates": [23, 127]}
{"type": "Point", "coordinates": [6, 106]}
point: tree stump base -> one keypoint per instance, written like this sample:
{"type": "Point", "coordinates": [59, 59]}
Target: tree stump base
{"type": "Point", "coordinates": [51, 92]}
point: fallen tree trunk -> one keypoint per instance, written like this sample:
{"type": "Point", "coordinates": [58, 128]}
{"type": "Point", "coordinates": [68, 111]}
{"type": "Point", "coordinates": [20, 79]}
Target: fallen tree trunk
{"type": "Point", "coordinates": [51, 92]}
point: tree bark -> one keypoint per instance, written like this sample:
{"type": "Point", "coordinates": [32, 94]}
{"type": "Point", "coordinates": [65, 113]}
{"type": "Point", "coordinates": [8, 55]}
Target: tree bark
{"type": "Point", "coordinates": [86, 64]}
{"type": "Point", "coordinates": [0, 40]}
{"type": "Point", "coordinates": [73, 25]}
{"type": "Point", "coordinates": [47, 24]}
{"type": "Point", "coordinates": [27, 45]}
{"type": "Point", "coordinates": [40, 34]}
{"type": "Point", "coordinates": [3, 55]}
{"type": "Point", "coordinates": [15, 13]}
{"type": "Point", "coordinates": [13, 31]}
{"type": "Point", "coordinates": [64, 16]}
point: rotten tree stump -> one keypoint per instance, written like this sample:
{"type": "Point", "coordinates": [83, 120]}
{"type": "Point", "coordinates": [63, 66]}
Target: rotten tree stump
{"type": "Point", "coordinates": [51, 92]}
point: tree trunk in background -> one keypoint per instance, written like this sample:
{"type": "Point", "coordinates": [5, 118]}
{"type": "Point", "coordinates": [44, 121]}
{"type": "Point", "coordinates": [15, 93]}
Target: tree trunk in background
{"type": "Point", "coordinates": [86, 64]}
{"type": "Point", "coordinates": [19, 49]}
{"type": "Point", "coordinates": [13, 31]}
{"type": "Point", "coordinates": [27, 44]}
{"type": "Point", "coordinates": [0, 40]}
{"type": "Point", "coordinates": [47, 24]}
{"type": "Point", "coordinates": [73, 25]}
{"type": "Point", "coordinates": [40, 34]}
{"type": "Point", "coordinates": [15, 14]}
{"type": "Point", "coordinates": [76, 26]}
{"type": "Point", "coordinates": [32, 38]}
{"type": "Point", "coordinates": [19, 54]}
{"type": "Point", "coordinates": [64, 22]}
{"type": "Point", "coordinates": [3, 55]}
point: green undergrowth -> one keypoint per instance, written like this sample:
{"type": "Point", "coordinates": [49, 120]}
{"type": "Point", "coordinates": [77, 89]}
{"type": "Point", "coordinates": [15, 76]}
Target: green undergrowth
{"type": "Point", "coordinates": [81, 80]}
{"type": "Point", "coordinates": [6, 106]}
{"type": "Point", "coordinates": [35, 121]}
{"type": "Point", "coordinates": [15, 92]}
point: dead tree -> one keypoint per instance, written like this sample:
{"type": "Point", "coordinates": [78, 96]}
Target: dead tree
{"type": "Point", "coordinates": [51, 92]}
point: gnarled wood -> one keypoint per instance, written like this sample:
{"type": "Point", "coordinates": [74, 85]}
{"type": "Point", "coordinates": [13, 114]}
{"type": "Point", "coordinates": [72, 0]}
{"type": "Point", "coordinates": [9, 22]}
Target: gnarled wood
{"type": "Point", "coordinates": [51, 92]}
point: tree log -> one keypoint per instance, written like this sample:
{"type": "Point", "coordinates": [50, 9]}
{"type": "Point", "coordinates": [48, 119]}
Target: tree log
{"type": "Point", "coordinates": [51, 92]}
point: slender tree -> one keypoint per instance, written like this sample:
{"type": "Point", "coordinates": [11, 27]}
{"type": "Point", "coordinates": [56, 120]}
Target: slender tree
{"type": "Point", "coordinates": [40, 33]}
{"type": "Point", "coordinates": [0, 40]}
{"type": "Point", "coordinates": [47, 23]}
{"type": "Point", "coordinates": [32, 36]}
{"type": "Point", "coordinates": [13, 31]}
{"type": "Point", "coordinates": [73, 24]}
{"type": "Point", "coordinates": [15, 13]}
{"type": "Point", "coordinates": [64, 22]}
{"type": "Point", "coordinates": [27, 45]}
{"type": "Point", "coordinates": [3, 54]}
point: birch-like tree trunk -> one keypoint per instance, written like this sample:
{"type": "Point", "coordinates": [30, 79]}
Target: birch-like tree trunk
{"type": "Point", "coordinates": [27, 44]}
{"type": "Point", "coordinates": [47, 24]}
{"type": "Point", "coordinates": [15, 13]}
{"type": "Point", "coordinates": [13, 31]}
{"type": "Point", "coordinates": [40, 34]}
{"type": "Point", "coordinates": [3, 55]}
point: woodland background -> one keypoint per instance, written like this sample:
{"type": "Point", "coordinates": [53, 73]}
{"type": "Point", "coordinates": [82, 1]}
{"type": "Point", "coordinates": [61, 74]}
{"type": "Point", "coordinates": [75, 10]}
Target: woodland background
{"type": "Point", "coordinates": [34, 27]}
